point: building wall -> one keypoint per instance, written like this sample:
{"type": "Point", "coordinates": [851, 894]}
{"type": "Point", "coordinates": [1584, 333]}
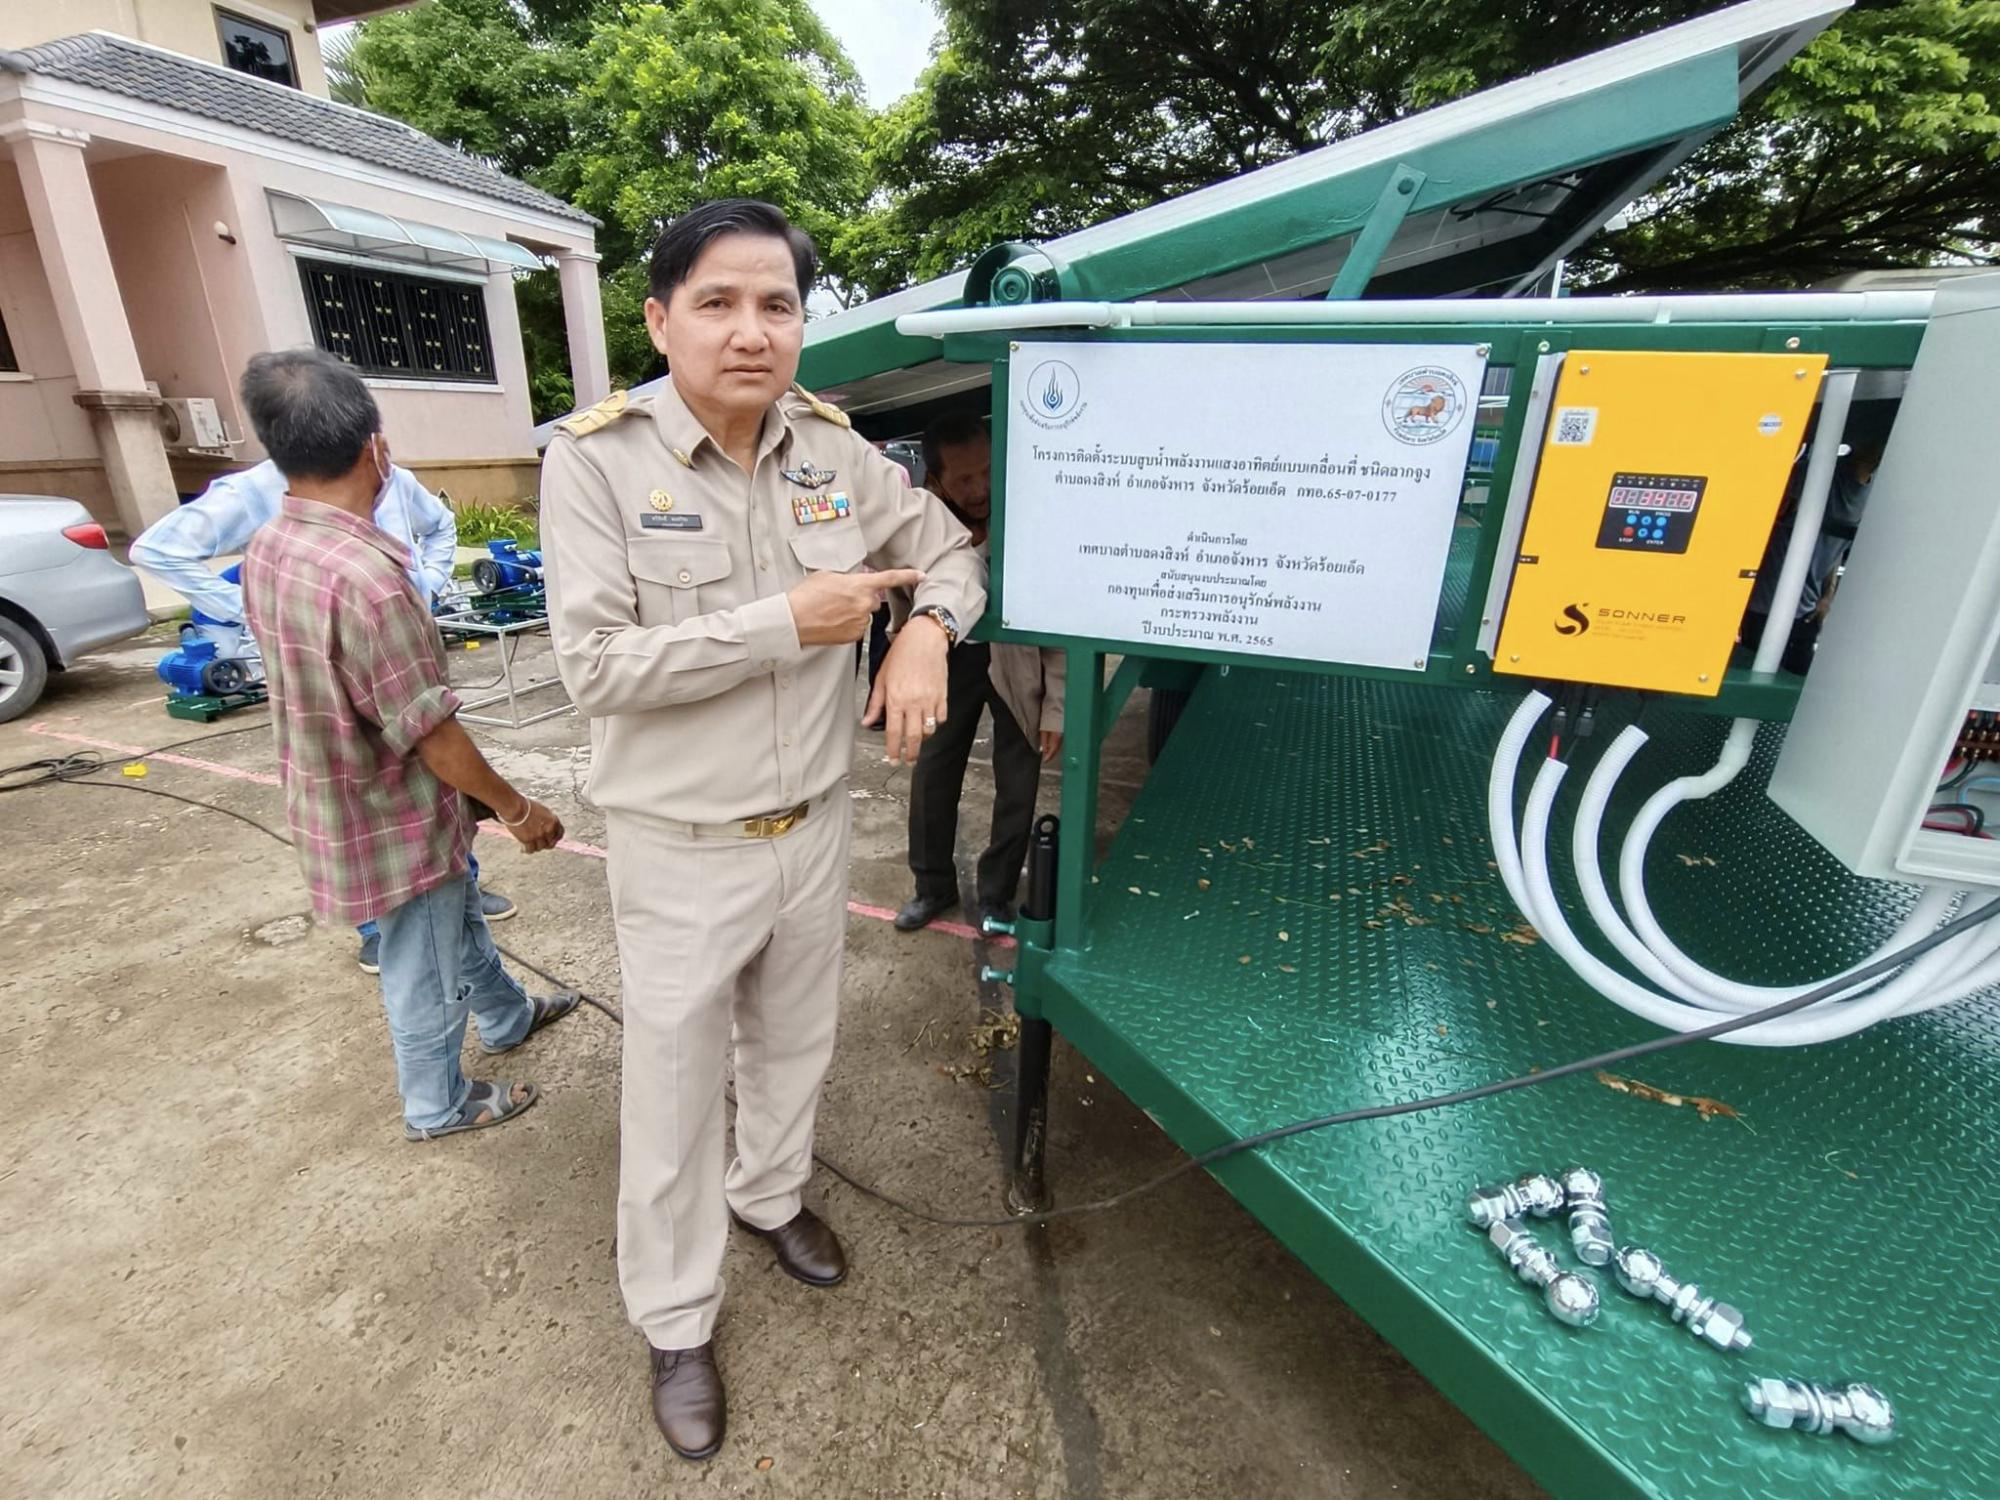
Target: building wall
{"type": "Point", "coordinates": [183, 26]}
{"type": "Point", "coordinates": [172, 271]}
{"type": "Point", "coordinates": [426, 421]}
{"type": "Point", "coordinates": [46, 445]}
{"type": "Point", "coordinates": [199, 306]}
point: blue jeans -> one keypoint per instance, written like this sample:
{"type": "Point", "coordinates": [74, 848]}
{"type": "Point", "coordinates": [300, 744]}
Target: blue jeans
{"type": "Point", "coordinates": [438, 966]}
{"type": "Point", "coordinates": [372, 929]}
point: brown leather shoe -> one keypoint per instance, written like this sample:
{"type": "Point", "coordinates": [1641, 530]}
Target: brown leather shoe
{"type": "Point", "coordinates": [807, 1249]}
{"type": "Point", "coordinates": [687, 1400]}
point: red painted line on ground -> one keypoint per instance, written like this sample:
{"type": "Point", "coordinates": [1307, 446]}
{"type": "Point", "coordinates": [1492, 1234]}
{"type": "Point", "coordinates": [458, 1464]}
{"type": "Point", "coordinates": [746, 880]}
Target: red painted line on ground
{"type": "Point", "coordinates": [568, 846]}
{"type": "Point", "coordinates": [214, 767]}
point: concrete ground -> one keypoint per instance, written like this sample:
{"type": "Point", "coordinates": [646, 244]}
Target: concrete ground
{"type": "Point", "coordinates": [224, 1273]}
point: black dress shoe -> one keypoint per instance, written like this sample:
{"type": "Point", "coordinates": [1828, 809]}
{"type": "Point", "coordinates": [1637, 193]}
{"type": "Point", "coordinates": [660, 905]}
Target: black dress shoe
{"type": "Point", "coordinates": [687, 1400]}
{"type": "Point", "coordinates": [921, 911]}
{"type": "Point", "coordinates": [807, 1249]}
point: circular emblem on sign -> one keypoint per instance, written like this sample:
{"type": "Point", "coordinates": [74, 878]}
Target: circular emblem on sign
{"type": "Point", "coordinates": [1054, 394]}
{"type": "Point", "coordinates": [1424, 405]}
{"type": "Point", "coordinates": [1770, 424]}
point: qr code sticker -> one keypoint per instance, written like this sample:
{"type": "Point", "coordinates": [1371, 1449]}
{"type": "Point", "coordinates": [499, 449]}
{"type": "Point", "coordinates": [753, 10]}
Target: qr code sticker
{"type": "Point", "coordinates": [1575, 426]}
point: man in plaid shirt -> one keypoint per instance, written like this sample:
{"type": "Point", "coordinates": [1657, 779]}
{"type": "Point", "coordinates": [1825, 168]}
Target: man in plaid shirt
{"type": "Point", "coordinates": [372, 755]}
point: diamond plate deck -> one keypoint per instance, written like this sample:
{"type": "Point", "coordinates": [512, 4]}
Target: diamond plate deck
{"type": "Point", "coordinates": [1253, 961]}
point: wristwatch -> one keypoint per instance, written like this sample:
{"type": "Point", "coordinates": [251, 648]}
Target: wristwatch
{"type": "Point", "coordinates": [946, 620]}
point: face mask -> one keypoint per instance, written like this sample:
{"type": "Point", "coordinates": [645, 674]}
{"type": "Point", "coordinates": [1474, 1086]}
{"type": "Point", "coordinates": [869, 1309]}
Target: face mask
{"type": "Point", "coordinates": [386, 472]}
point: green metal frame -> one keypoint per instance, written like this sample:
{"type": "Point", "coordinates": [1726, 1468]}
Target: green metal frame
{"type": "Point", "coordinates": [1454, 657]}
{"type": "Point", "coordinates": [1684, 102]}
{"type": "Point", "coordinates": [1054, 980]}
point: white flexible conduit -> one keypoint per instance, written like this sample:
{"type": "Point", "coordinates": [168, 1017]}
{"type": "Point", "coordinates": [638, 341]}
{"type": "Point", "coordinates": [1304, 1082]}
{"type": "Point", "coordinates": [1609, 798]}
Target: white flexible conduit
{"type": "Point", "coordinates": [1836, 397]}
{"type": "Point", "coordinates": [1948, 973]}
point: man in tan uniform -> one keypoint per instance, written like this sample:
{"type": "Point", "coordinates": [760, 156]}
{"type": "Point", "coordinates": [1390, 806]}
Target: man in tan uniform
{"type": "Point", "coordinates": [709, 555]}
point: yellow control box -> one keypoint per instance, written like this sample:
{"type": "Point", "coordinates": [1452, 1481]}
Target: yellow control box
{"type": "Point", "coordinates": [1658, 483]}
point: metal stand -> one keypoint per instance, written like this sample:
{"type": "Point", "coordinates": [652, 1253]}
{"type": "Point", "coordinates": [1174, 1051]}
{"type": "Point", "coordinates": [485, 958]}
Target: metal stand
{"type": "Point", "coordinates": [1027, 1192]}
{"type": "Point", "coordinates": [475, 622]}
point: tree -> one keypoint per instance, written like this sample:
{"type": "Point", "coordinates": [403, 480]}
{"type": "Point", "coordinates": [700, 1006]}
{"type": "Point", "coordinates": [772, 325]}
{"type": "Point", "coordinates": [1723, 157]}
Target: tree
{"type": "Point", "coordinates": [1039, 117]}
{"type": "Point", "coordinates": [714, 98]}
{"type": "Point", "coordinates": [495, 78]}
{"type": "Point", "coordinates": [633, 113]}
{"type": "Point", "coordinates": [1879, 146]}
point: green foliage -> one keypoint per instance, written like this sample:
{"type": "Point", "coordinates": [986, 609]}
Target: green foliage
{"type": "Point", "coordinates": [710, 99]}
{"type": "Point", "coordinates": [479, 524]}
{"type": "Point", "coordinates": [494, 78]}
{"type": "Point", "coordinates": [1040, 117]}
{"type": "Point", "coordinates": [1878, 146]}
{"type": "Point", "coordinates": [633, 112]}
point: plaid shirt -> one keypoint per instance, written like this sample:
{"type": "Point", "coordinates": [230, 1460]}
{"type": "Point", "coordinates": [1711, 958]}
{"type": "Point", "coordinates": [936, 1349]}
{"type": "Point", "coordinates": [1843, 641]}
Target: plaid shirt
{"type": "Point", "coordinates": [357, 678]}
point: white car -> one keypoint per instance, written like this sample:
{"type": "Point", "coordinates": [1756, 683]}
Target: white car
{"type": "Point", "coordinates": [62, 593]}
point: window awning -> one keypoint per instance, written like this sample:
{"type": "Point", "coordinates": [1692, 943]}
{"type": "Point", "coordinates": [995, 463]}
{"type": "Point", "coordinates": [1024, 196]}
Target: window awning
{"type": "Point", "coordinates": [362, 231]}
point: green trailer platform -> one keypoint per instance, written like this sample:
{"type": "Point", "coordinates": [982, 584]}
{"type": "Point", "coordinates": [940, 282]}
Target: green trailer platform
{"type": "Point", "coordinates": [1301, 914]}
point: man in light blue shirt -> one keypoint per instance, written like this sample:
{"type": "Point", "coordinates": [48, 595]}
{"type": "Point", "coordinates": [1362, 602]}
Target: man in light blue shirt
{"type": "Point", "coordinates": [177, 549]}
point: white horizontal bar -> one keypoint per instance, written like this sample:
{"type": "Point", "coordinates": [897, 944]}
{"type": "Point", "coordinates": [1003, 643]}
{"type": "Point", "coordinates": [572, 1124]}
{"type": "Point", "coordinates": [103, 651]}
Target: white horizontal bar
{"type": "Point", "coordinates": [1744, 307]}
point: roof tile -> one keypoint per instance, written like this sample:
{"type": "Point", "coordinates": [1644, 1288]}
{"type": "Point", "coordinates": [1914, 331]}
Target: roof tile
{"type": "Point", "coordinates": [119, 66]}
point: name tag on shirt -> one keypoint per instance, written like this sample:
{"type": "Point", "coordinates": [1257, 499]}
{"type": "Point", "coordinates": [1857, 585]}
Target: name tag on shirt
{"type": "Point", "coordinates": [679, 520]}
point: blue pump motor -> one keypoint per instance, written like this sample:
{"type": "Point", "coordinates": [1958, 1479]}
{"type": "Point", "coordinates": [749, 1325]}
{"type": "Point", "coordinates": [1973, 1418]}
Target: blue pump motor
{"type": "Point", "coordinates": [194, 671]}
{"type": "Point", "coordinates": [507, 568]}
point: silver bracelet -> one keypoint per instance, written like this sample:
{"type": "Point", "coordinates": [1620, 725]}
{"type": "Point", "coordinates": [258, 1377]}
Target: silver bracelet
{"type": "Point", "coordinates": [522, 821]}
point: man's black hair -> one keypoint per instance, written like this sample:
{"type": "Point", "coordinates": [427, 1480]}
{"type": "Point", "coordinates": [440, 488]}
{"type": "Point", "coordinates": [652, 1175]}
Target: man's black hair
{"type": "Point", "coordinates": [949, 431]}
{"type": "Point", "coordinates": [680, 244]}
{"type": "Point", "coordinates": [312, 413]}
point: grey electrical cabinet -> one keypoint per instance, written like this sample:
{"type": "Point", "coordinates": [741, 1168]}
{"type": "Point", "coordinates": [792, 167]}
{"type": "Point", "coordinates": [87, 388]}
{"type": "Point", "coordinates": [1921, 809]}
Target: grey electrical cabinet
{"type": "Point", "coordinates": [1909, 651]}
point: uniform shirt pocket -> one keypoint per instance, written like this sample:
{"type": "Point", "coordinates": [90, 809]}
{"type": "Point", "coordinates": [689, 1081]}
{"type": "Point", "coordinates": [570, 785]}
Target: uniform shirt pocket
{"type": "Point", "coordinates": [830, 546]}
{"type": "Point", "coordinates": [670, 574]}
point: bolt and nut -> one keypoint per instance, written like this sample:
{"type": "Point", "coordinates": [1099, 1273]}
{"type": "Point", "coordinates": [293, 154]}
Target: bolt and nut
{"type": "Point", "coordinates": [1589, 1215]}
{"type": "Point", "coordinates": [1640, 1272]}
{"type": "Point", "coordinates": [1538, 1194]}
{"type": "Point", "coordinates": [1569, 1298]}
{"type": "Point", "coordinates": [1860, 1411]}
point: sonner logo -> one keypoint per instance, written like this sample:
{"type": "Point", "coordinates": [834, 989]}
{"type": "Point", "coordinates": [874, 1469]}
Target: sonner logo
{"type": "Point", "coordinates": [1574, 620]}
{"type": "Point", "coordinates": [1054, 394]}
{"type": "Point", "coordinates": [1640, 616]}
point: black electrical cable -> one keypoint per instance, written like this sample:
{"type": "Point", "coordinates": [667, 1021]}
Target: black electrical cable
{"type": "Point", "coordinates": [1843, 984]}
{"type": "Point", "coordinates": [80, 763]}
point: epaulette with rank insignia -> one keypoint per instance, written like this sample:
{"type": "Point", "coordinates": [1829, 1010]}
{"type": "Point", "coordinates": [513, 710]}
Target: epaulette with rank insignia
{"type": "Point", "coordinates": [820, 408]}
{"type": "Point", "coordinates": [595, 418]}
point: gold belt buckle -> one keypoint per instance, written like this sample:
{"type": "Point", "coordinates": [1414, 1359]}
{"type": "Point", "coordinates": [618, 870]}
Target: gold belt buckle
{"type": "Point", "coordinates": [775, 826]}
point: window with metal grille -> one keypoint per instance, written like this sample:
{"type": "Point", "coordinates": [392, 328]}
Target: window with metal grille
{"type": "Point", "coordinates": [391, 323]}
{"type": "Point", "coordinates": [259, 50]}
{"type": "Point", "coordinates": [8, 364]}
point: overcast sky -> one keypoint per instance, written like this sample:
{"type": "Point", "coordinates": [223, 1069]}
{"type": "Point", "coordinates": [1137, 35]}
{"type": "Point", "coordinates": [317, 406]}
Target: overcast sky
{"type": "Point", "coordinates": [889, 40]}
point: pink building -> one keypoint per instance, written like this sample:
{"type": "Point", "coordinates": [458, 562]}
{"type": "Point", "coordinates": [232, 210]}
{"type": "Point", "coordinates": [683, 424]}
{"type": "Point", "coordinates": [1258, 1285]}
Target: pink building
{"type": "Point", "coordinates": [177, 193]}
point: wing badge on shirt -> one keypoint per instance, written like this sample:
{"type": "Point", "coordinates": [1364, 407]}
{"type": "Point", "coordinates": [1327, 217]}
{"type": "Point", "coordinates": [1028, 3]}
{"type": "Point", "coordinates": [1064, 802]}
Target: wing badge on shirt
{"type": "Point", "coordinates": [810, 510]}
{"type": "Point", "coordinates": [808, 477]}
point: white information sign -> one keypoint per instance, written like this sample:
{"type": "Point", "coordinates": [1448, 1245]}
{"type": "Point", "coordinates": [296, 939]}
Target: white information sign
{"type": "Point", "coordinates": [1275, 499]}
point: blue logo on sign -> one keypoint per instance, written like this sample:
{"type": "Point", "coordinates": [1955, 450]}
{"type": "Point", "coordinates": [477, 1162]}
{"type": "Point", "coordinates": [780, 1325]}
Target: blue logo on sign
{"type": "Point", "coordinates": [1053, 394]}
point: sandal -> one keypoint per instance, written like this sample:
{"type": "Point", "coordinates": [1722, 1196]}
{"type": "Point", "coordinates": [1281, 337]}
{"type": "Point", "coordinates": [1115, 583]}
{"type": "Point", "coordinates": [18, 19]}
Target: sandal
{"type": "Point", "coordinates": [548, 1010]}
{"type": "Point", "coordinates": [492, 1098]}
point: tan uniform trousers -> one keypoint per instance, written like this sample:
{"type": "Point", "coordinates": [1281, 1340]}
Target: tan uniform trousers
{"type": "Point", "coordinates": [718, 939]}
